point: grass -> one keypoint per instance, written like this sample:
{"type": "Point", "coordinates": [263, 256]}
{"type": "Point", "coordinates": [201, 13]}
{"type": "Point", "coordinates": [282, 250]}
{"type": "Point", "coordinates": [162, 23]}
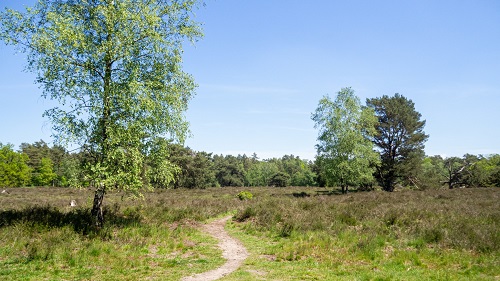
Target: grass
{"type": "Point", "coordinates": [42, 237]}
{"type": "Point", "coordinates": [411, 235]}
{"type": "Point", "coordinates": [291, 234]}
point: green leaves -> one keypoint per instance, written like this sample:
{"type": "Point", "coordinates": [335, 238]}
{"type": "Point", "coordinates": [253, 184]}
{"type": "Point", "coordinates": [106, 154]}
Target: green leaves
{"type": "Point", "coordinates": [44, 175]}
{"type": "Point", "coordinates": [345, 153]}
{"type": "Point", "coordinates": [116, 70]}
{"type": "Point", "coordinates": [400, 138]}
{"type": "Point", "coordinates": [14, 170]}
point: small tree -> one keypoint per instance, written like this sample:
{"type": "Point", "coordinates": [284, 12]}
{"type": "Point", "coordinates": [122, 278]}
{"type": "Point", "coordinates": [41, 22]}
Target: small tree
{"type": "Point", "coordinates": [494, 170]}
{"type": "Point", "coordinates": [400, 139]}
{"type": "Point", "coordinates": [345, 152]}
{"type": "Point", "coordinates": [115, 68]}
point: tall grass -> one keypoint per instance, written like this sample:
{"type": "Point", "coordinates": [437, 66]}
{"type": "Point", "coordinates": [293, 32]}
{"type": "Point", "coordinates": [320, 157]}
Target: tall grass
{"type": "Point", "coordinates": [459, 219]}
{"type": "Point", "coordinates": [407, 235]}
{"type": "Point", "coordinates": [43, 237]}
{"type": "Point", "coordinates": [292, 233]}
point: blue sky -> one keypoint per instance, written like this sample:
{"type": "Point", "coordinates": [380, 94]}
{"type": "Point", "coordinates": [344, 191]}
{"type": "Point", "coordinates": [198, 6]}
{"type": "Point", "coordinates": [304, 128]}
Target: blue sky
{"type": "Point", "coordinates": [263, 66]}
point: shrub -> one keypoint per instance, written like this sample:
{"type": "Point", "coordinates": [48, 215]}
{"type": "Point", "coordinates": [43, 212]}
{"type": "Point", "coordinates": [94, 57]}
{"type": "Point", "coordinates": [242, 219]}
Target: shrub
{"type": "Point", "coordinates": [245, 195]}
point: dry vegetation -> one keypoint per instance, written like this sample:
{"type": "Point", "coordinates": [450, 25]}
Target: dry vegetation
{"type": "Point", "coordinates": [292, 234]}
{"type": "Point", "coordinates": [462, 219]}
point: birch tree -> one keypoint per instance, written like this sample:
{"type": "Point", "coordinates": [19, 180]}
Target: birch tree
{"type": "Point", "coordinates": [345, 152]}
{"type": "Point", "coordinates": [115, 67]}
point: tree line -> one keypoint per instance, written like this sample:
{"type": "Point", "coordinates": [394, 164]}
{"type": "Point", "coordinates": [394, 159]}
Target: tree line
{"type": "Point", "coordinates": [39, 164]}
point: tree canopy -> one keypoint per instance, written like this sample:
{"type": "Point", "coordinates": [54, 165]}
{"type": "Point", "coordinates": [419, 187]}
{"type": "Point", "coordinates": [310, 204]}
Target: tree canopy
{"type": "Point", "coordinates": [400, 139]}
{"type": "Point", "coordinates": [14, 169]}
{"type": "Point", "coordinates": [345, 150]}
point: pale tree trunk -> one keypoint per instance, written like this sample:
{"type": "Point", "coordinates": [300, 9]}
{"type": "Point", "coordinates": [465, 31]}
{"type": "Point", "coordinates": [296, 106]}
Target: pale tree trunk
{"type": "Point", "coordinates": [97, 212]}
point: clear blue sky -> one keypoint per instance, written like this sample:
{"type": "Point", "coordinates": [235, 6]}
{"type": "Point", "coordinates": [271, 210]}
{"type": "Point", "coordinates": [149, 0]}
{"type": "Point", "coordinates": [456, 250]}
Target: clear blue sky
{"type": "Point", "coordinates": [263, 66]}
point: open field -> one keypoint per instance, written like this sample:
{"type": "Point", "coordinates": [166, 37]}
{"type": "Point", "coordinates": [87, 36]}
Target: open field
{"type": "Point", "coordinates": [290, 233]}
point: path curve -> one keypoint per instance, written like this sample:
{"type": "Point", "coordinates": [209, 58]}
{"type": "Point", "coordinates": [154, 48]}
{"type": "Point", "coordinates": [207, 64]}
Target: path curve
{"type": "Point", "coordinates": [232, 250]}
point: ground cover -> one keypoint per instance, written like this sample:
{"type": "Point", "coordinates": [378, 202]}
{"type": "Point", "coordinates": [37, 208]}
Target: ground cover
{"type": "Point", "coordinates": [290, 234]}
{"type": "Point", "coordinates": [409, 235]}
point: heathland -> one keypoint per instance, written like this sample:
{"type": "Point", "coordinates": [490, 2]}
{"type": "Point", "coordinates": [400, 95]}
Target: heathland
{"type": "Point", "coordinates": [290, 233]}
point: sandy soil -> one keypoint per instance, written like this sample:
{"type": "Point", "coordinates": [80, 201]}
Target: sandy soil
{"type": "Point", "coordinates": [232, 250]}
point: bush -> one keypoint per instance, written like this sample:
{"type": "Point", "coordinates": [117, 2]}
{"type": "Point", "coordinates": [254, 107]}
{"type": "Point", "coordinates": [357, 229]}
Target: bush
{"type": "Point", "coordinates": [245, 195]}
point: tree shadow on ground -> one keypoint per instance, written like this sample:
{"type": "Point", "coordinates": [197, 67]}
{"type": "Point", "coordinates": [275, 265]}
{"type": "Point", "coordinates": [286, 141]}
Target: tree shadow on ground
{"type": "Point", "coordinates": [79, 219]}
{"type": "Point", "coordinates": [337, 192]}
{"type": "Point", "coordinates": [325, 192]}
{"type": "Point", "coordinates": [302, 194]}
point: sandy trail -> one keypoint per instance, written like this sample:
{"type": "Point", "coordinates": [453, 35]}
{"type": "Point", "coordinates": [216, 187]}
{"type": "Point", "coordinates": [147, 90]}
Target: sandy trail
{"type": "Point", "coordinates": [232, 250]}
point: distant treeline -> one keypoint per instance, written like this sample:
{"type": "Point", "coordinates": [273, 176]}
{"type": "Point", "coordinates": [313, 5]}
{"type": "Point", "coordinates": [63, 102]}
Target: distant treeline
{"type": "Point", "coordinates": [38, 164]}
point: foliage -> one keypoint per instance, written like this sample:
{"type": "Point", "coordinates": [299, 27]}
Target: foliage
{"type": "Point", "coordinates": [400, 139]}
{"type": "Point", "coordinates": [160, 170]}
{"type": "Point", "coordinates": [482, 171]}
{"type": "Point", "coordinates": [196, 168]}
{"type": "Point", "coordinates": [44, 175]}
{"type": "Point", "coordinates": [432, 172]}
{"type": "Point", "coordinates": [298, 171]}
{"type": "Point", "coordinates": [245, 195]}
{"type": "Point", "coordinates": [14, 169]}
{"type": "Point", "coordinates": [193, 169]}
{"type": "Point", "coordinates": [260, 173]}
{"type": "Point", "coordinates": [115, 68]}
{"type": "Point", "coordinates": [468, 171]}
{"type": "Point", "coordinates": [168, 164]}
{"type": "Point", "coordinates": [345, 152]}
{"type": "Point", "coordinates": [455, 170]}
{"type": "Point", "coordinates": [46, 163]}
{"type": "Point", "coordinates": [71, 172]}
{"type": "Point", "coordinates": [280, 179]}
{"type": "Point", "coordinates": [230, 170]}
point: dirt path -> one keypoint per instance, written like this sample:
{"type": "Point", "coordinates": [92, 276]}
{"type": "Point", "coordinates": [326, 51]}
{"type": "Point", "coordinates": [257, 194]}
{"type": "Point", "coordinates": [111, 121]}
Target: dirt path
{"type": "Point", "coordinates": [232, 250]}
